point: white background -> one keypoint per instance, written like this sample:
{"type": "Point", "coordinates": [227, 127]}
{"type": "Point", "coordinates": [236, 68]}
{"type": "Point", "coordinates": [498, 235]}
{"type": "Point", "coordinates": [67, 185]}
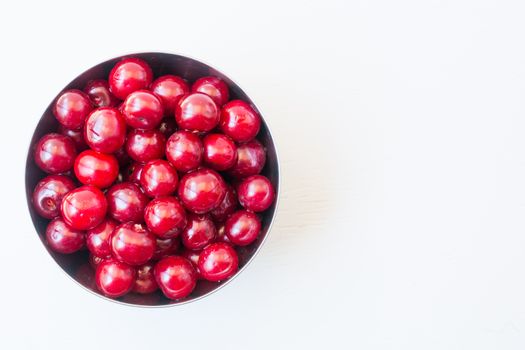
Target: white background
{"type": "Point", "coordinates": [401, 131]}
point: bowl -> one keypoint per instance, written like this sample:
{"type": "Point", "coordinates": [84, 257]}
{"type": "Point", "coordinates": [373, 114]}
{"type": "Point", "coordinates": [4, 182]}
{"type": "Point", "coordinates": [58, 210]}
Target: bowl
{"type": "Point", "coordinates": [76, 265]}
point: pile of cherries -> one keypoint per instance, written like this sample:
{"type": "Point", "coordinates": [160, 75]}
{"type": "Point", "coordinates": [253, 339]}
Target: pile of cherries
{"type": "Point", "coordinates": [159, 169]}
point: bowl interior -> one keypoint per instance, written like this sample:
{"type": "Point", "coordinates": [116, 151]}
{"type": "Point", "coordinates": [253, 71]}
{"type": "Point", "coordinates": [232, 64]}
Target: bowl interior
{"type": "Point", "coordinates": [76, 265]}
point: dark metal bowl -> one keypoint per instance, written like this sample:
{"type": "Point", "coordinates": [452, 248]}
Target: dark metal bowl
{"type": "Point", "coordinates": [76, 265]}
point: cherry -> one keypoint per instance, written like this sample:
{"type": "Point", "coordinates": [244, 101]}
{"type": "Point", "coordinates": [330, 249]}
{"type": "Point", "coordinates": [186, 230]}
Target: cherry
{"type": "Point", "coordinates": [105, 130]}
{"type": "Point", "coordinates": [175, 276]}
{"type": "Point", "coordinates": [167, 126]}
{"type": "Point", "coordinates": [227, 206]}
{"type": "Point", "coordinates": [98, 92]}
{"type": "Point", "coordinates": [199, 232]}
{"type": "Point", "coordinates": [165, 217]}
{"type": "Point", "coordinates": [145, 145]}
{"type": "Point", "coordinates": [166, 247]}
{"type": "Point", "coordinates": [214, 87]}
{"type": "Point", "coordinates": [142, 110]}
{"type": "Point", "coordinates": [129, 75]}
{"type": "Point", "coordinates": [193, 257]}
{"type": "Point", "coordinates": [62, 238]}
{"type": "Point", "coordinates": [114, 278]}
{"type": "Point", "coordinates": [221, 234]}
{"type": "Point", "coordinates": [133, 173]}
{"type": "Point", "coordinates": [170, 89]}
{"type": "Point", "coordinates": [132, 243]}
{"type": "Point", "coordinates": [218, 261]}
{"type": "Point", "coordinates": [84, 207]}
{"type": "Point", "coordinates": [158, 178]}
{"type": "Point", "coordinates": [256, 193]}
{"type": "Point", "coordinates": [48, 195]}
{"type": "Point", "coordinates": [98, 239]}
{"type": "Point", "coordinates": [145, 282]}
{"type": "Point", "coordinates": [55, 153]}
{"type": "Point", "coordinates": [76, 135]}
{"type": "Point", "coordinates": [243, 227]}
{"type": "Point", "coordinates": [184, 150]}
{"type": "Point", "coordinates": [94, 261]}
{"type": "Point", "coordinates": [126, 202]}
{"type": "Point", "coordinates": [197, 112]}
{"type": "Point", "coordinates": [71, 109]}
{"type": "Point", "coordinates": [97, 169]}
{"type": "Point", "coordinates": [202, 190]}
{"type": "Point", "coordinates": [239, 121]}
{"type": "Point", "coordinates": [220, 152]}
{"type": "Point", "coordinates": [251, 157]}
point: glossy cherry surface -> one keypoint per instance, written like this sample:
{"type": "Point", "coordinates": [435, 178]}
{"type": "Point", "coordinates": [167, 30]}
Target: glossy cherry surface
{"type": "Point", "coordinates": [97, 169]}
{"type": "Point", "coordinates": [48, 195]}
{"type": "Point", "coordinates": [199, 232]}
{"type": "Point", "coordinates": [145, 145]}
{"type": "Point", "coordinates": [132, 243]}
{"type": "Point", "coordinates": [242, 227]}
{"type": "Point", "coordinates": [251, 158]}
{"type": "Point", "coordinates": [170, 89]}
{"type": "Point", "coordinates": [165, 217]}
{"type": "Point", "coordinates": [126, 202]}
{"type": "Point", "coordinates": [99, 94]}
{"type": "Point", "coordinates": [175, 276]}
{"type": "Point", "coordinates": [145, 282]}
{"type": "Point", "coordinates": [105, 130]}
{"type": "Point", "coordinates": [239, 121]}
{"type": "Point", "coordinates": [227, 206]}
{"type": "Point", "coordinates": [142, 110]}
{"type": "Point", "coordinates": [166, 247]}
{"type": "Point", "coordinates": [167, 126]}
{"type": "Point", "coordinates": [133, 173]}
{"type": "Point", "coordinates": [201, 190]}
{"type": "Point", "coordinates": [184, 150]}
{"type": "Point", "coordinates": [84, 207]}
{"type": "Point", "coordinates": [55, 153]}
{"type": "Point", "coordinates": [129, 75]}
{"type": "Point", "coordinates": [197, 112]}
{"type": "Point", "coordinates": [218, 261]}
{"type": "Point", "coordinates": [76, 135]}
{"type": "Point", "coordinates": [98, 239]}
{"type": "Point", "coordinates": [62, 238]}
{"type": "Point", "coordinates": [256, 193]}
{"type": "Point", "coordinates": [158, 178]}
{"type": "Point", "coordinates": [114, 278]}
{"type": "Point", "coordinates": [214, 87]}
{"type": "Point", "coordinates": [71, 108]}
{"type": "Point", "coordinates": [193, 257]}
{"type": "Point", "coordinates": [220, 152]}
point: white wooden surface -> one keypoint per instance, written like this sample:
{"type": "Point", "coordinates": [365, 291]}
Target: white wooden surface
{"type": "Point", "coordinates": [400, 126]}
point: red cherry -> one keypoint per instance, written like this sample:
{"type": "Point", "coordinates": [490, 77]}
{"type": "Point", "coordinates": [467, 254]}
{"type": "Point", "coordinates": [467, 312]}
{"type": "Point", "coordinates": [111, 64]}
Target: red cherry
{"type": "Point", "coordinates": [184, 150]}
{"type": "Point", "coordinates": [193, 257]}
{"type": "Point", "coordinates": [76, 135]}
{"type": "Point", "coordinates": [98, 239]}
{"type": "Point", "coordinates": [239, 121]}
{"type": "Point", "coordinates": [48, 195]}
{"type": "Point", "coordinates": [98, 92]}
{"type": "Point", "coordinates": [214, 87]}
{"type": "Point", "coordinates": [142, 110]}
{"type": "Point", "coordinates": [133, 244]}
{"type": "Point", "coordinates": [170, 89]}
{"type": "Point", "coordinates": [218, 261]}
{"type": "Point", "coordinates": [114, 278]}
{"type": "Point", "coordinates": [202, 190]}
{"type": "Point", "coordinates": [165, 217]}
{"type": "Point", "coordinates": [62, 238]}
{"type": "Point", "coordinates": [145, 282]}
{"type": "Point", "coordinates": [129, 75]}
{"type": "Point", "coordinates": [145, 145]}
{"type": "Point", "coordinates": [243, 227]}
{"type": "Point", "coordinates": [220, 152]}
{"type": "Point", "coordinates": [158, 178]}
{"type": "Point", "coordinates": [167, 126]}
{"type": "Point", "coordinates": [55, 153]}
{"type": "Point", "coordinates": [256, 193]}
{"type": "Point", "coordinates": [199, 232]}
{"type": "Point", "coordinates": [221, 234]}
{"type": "Point", "coordinates": [126, 202]}
{"type": "Point", "coordinates": [197, 112]}
{"type": "Point", "coordinates": [84, 207]}
{"type": "Point", "coordinates": [165, 247]}
{"type": "Point", "coordinates": [133, 173]}
{"type": "Point", "coordinates": [227, 206]}
{"type": "Point", "coordinates": [97, 169]}
{"type": "Point", "coordinates": [251, 158]}
{"type": "Point", "coordinates": [71, 109]}
{"type": "Point", "coordinates": [94, 261]}
{"type": "Point", "coordinates": [105, 130]}
{"type": "Point", "coordinates": [175, 276]}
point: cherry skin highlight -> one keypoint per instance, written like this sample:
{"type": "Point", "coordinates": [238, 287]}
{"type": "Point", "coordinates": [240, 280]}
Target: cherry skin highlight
{"type": "Point", "coordinates": [48, 195]}
{"type": "Point", "coordinates": [142, 110]}
{"type": "Point", "coordinates": [98, 239]}
{"type": "Point", "coordinates": [126, 202]}
{"type": "Point", "coordinates": [99, 94]}
{"type": "Point", "coordinates": [214, 87]}
{"type": "Point", "coordinates": [132, 244]}
{"type": "Point", "coordinates": [145, 282]}
{"type": "Point", "coordinates": [158, 178]}
{"type": "Point", "coordinates": [165, 217]}
{"type": "Point", "coordinates": [170, 89]}
{"type": "Point", "coordinates": [197, 112]}
{"type": "Point", "coordinates": [145, 145]}
{"type": "Point", "coordinates": [251, 157]}
{"type": "Point", "coordinates": [71, 109]}
{"type": "Point", "coordinates": [114, 278]}
{"type": "Point", "coordinates": [201, 190]}
{"type": "Point", "coordinates": [218, 261]}
{"type": "Point", "coordinates": [175, 276]}
{"type": "Point", "coordinates": [55, 153]}
{"type": "Point", "coordinates": [97, 169]}
{"type": "Point", "coordinates": [199, 232]}
{"type": "Point", "coordinates": [84, 207]}
{"type": "Point", "coordinates": [220, 152]}
{"type": "Point", "coordinates": [62, 238]}
{"type": "Point", "coordinates": [243, 227]}
{"type": "Point", "coordinates": [129, 75]}
{"type": "Point", "coordinates": [256, 193]}
{"type": "Point", "coordinates": [184, 150]}
{"type": "Point", "coordinates": [105, 130]}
